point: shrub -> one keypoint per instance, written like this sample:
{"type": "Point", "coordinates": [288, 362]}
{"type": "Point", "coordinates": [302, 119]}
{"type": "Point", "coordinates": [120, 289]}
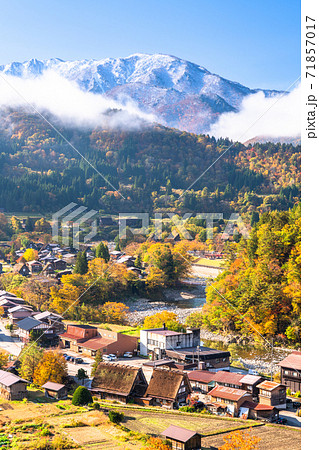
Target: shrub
{"type": "Point", "coordinates": [61, 443]}
{"type": "Point", "coordinates": [115, 416]}
{"type": "Point", "coordinates": [187, 409]}
{"type": "Point", "coordinates": [45, 432]}
{"type": "Point", "coordinates": [288, 391]}
{"type": "Point", "coordinates": [94, 405]}
{"type": "Point", "coordinates": [298, 394]}
{"type": "Point", "coordinates": [82, 396]}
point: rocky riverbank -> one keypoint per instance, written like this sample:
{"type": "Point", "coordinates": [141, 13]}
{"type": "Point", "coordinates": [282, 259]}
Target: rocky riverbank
{"type": "Point", "coordinates": [189, 298]}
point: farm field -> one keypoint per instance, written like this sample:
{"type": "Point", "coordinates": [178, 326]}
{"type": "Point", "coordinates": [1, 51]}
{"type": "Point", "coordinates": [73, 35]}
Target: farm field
{"type": "Point", "coordinates": [210, 262]}
{"type": "Point", "coordinates": [156, 422]}
{"type": "Point", "coordinates": [272, 438]}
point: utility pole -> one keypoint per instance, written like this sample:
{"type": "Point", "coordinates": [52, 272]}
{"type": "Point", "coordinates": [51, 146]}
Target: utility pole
{"type": "Point", "coordinates": [198, 350]}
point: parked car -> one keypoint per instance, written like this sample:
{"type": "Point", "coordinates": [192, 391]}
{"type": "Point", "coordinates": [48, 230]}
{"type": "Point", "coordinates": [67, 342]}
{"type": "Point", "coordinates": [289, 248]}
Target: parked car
{"type": "Point", "coordinates": [69, 358]}
{"type": "Point", "coordinates": [281, 421]}
{"type": "Point", "coordinates": [128, 355]}
{"type": "Point", "coordinates": [252, 372]}
{"type": "Point", "coordinates": [296, 405]}
{"type": "Point", "coordinates": [271, 419]}
{"type": "Point", "coordinates": [112, 356]}
{"type": "Point", "coordinates": [106, 358]}
{"type": "Point", "coordinates": [78, 361]}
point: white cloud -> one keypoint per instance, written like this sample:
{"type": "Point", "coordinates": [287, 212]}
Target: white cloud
{"type": "Point", "coordinates": [50, 92]}
{"type": "Point", "coordinates": [277, 116]}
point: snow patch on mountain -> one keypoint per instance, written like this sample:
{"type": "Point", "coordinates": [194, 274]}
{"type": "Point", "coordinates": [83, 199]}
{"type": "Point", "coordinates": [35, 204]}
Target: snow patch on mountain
{"type": "Point", "coordinates": [179, 93]}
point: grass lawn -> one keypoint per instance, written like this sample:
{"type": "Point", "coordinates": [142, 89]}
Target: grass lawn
{"type": "Point", "coordinates": [125, 329]}
{"type": "Point", "coordinates": [210, 262]}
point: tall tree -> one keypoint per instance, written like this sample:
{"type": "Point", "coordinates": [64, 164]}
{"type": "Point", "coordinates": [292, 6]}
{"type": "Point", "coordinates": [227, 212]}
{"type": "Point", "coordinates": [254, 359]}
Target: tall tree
{"type": "Point", "coordinates": [97, 360]}
{"type": "Point", "coordinates": [81, 264]}
{"type": "Point", "coordinates": [102, 251]}
{"type": "Point", "coordinates": [30, 358]}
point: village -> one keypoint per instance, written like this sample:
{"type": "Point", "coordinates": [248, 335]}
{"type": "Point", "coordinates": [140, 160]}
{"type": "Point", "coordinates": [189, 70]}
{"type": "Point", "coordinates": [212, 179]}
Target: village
{"type": "Point", "coordinates": [160, 369]}
{"type": "Point", "coordinates": [152, 369]}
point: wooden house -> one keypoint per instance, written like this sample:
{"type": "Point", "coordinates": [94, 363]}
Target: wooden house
{"type": "Point", "coordinates": [250, 384]}
{"type": "Point", "coordinates": [201, 380]}
{"type": "Point", "coordinates": [28, 325]}
{"type": "Point", "coordinates": [59, 264]}
{"type": "Point", "coordinates": [258, 411]}
{"type": "Point", "coordinates": [118, 382]}
{"type": "Point", "coordinates": [34, 266]}
{"type": "Point", "coordinates": [48, 269]}
{"type": "Point", "coordinates": [182, 439]}
{"type": "Point", "coordinates": [168, 388]}
{"type": "Point", "coordinates": [87, 340]}
{"type": "Point", "coordinates": [55, 390]}
{"type": "Point", "coordinates": [272, 394]}
{"type": "Point", "coordinates": [290, 371]}
{"type": "Point", "coordinates": [53, 320]}
{"type": "Point", "coordinates": [22, 269]}
{"type": "Point", "coordinates": [12, 387]}
{"type": "Point", "coordinates": [230, 398]}
{"type": "Point", "coordinates": [19, 312]}
{"type": "Point", "coordinates": [227, 379]}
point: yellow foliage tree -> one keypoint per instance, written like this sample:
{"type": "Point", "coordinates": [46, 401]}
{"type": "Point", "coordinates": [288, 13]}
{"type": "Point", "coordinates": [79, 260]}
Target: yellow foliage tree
{"type": "Point", "coordinates": [155, 279]}
{"type": "Point", "coordinates": [4, 359]}
{"type": "Point", "coordinates": [30, 254]}
{"type": "Point", "coordinates": [52, 367]}
{"type": "Point", "coordinates": [114, 312]}
{"type": "Point", "coordinates": [168, 317]}
{"type": "Point", "coordinates": [240, 440]}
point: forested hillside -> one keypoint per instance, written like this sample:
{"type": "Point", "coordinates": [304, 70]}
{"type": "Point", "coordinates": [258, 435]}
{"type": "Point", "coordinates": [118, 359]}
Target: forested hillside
{"type": "Point", "coordinates": [41, 173]}
{"type": "Point", "coordinates": [260, 292]}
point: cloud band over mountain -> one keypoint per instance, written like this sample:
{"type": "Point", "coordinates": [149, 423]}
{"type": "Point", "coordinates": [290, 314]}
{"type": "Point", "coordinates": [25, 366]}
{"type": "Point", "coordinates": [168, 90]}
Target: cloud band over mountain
{"type": "Point", "coordinates": [129, 92]}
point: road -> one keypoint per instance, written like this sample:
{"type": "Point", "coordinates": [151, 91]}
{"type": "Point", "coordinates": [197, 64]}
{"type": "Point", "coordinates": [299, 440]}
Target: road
{"type": "Point", "coordinates": [9, 344]}
{"type": "Point", "coordinates": [291, 417]}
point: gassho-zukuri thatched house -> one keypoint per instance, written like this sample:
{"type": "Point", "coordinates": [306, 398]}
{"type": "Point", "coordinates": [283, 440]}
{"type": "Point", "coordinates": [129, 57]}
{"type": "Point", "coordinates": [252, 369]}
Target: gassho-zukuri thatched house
{"type": "Point", "coordinates": [118, 382]}
{"type": "Point", "coordinates": [168, 388]}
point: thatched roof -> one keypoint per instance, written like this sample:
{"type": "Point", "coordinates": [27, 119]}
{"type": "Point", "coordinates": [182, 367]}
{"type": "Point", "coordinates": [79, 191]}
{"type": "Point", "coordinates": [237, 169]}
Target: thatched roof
{"type": "Point", "coordinates": [115, 378]}
{"type": "Point", "coordinates": [166, 383]}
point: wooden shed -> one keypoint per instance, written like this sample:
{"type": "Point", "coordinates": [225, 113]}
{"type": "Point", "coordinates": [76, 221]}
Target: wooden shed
{"type": "Point", "coordinates": [12, 387]}
{"type": "Point", "coordinates": [55, 390]}
{"type": "Point", "coordinates": [182, 439]}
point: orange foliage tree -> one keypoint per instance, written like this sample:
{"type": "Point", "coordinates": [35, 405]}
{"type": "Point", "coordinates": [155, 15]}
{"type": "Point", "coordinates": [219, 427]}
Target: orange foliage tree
{"type": "Point", "coordinates": [240, 440]}
{"type": "Point", "coordinates": [52, 367]}
{"type": "Point", "coordinates": [114, 312]}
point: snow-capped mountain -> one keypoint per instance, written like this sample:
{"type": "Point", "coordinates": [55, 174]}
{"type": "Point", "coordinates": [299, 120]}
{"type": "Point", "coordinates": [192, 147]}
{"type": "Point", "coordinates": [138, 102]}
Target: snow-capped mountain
{"type": "Point", "coordinates": [180, 94]}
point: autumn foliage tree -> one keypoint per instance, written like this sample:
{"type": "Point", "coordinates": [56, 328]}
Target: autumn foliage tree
{"type": "Point", "coordinates": [30, 254]}
{"type": "Point", "coordinates": [29, 359]}
{"type": "Point", "coordinates": [168, 318]}
{"type": "Point", "coordinates": [260, 292]}
{"type": "Point", "coordinates": [114, 312]}
{"type": "Point", "coordinates": [240, 440]}
{"type": "Point", "coordinates": [52, 367]}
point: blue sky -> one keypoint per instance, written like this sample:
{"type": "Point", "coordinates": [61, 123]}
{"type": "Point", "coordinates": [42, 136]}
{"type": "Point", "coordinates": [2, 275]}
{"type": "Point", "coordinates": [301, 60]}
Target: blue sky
{"type": "Point", "coordinates": [256, 43]}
